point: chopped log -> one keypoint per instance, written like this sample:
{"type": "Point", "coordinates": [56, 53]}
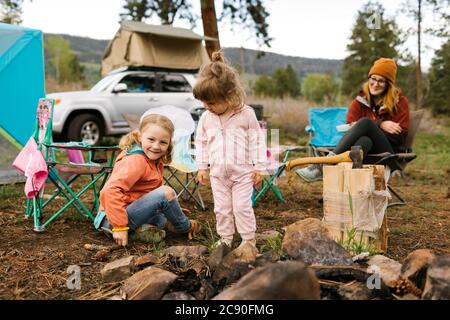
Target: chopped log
{"type": "Point", "coordinates": [363, 185]}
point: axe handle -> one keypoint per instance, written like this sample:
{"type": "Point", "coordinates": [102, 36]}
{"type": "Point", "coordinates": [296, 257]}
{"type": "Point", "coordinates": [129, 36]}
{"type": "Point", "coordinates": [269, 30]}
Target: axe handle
{"type": "Point", "coordinates": [342, 157]}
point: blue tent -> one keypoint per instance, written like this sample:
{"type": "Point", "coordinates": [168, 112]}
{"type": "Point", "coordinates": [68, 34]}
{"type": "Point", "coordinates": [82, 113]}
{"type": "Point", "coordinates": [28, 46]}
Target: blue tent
{"type": "Point", "coordinates": [21, 81]}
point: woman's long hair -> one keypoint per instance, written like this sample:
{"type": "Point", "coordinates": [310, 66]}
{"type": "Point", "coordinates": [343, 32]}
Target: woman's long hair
{"type": "Point", "coordinates": [389, 98]}
{"type": "Point", "coordinates": [134, 137]}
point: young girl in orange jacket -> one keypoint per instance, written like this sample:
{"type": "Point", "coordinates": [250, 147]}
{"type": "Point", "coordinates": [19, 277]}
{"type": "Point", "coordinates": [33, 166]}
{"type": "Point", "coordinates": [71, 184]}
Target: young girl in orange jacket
{"type": "Point", "coordinates": [134, 194]}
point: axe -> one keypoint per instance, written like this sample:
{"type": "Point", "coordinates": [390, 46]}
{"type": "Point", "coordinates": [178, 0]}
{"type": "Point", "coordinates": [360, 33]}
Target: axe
{"type": "Point", "coordinates": [355, 156]}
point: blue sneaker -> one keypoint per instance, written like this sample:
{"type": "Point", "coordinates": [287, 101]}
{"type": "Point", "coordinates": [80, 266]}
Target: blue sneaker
{"type": "Point", "coordinates": [310, 173]}
{"type": "Point", "coordinates": [99, 219]}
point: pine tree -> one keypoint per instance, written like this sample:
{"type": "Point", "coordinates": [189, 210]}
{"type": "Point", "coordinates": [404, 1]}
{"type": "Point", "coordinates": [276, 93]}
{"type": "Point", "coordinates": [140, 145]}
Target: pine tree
{"type": "Point", "coordinates": [292, 82]}
{"type": "Point", "coordinates": [441, 28]}
{"type": "Point", "coordinates": [373, 36]}
{"type": "Point", "coordinates": [439, 87]}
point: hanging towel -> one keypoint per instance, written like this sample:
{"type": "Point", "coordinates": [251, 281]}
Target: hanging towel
{"type": "Point", "coordinates": [31, 162]}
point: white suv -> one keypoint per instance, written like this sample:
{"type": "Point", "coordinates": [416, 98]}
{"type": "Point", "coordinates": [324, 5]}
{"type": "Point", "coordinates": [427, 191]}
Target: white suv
{"type": "Point", "coordinates": [89, 115]}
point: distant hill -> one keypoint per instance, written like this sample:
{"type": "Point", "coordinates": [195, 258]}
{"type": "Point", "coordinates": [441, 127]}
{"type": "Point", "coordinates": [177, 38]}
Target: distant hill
{"type": "Point", "coordinates": [267, 64]}
{"type": "Point", "coordinates": [91, 51]}
{"type": "Point", "coordinates": [87, 49]}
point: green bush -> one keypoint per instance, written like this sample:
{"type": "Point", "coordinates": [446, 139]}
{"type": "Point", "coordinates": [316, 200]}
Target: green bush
{"type": "Point", "coordinates": [284, 82]}
{"type": "Point", "coordinates": [264, 86]}
{"type": "Point", "coordinates": [320, 88]}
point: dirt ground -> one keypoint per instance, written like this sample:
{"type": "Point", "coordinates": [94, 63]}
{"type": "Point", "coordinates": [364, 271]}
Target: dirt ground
{"type": "Point", "coordinates": [34, 266]}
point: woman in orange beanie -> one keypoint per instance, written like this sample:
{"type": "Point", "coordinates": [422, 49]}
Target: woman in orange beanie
{"type": "Point", "coordinates": [378, 118]}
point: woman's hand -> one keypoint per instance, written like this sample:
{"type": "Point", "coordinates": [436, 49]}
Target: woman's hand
{"type": "Point", "coordinates": [202, 176]}
{"type": "Point", "coordinates": [258, 177]}
{"type": "Point", "coordinates": [121, 237]}
{"type": "Point", "coordinates": [391, 127]}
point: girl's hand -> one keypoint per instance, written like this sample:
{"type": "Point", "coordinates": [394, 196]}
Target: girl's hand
{"type": "Point", "coordinates": [258, 177]}
{"type": "Point", "coordinates": [121, 237]}
{"type": "Point", "coordinates": [391, 127]}
{"type": "Point", "coordinates": [202, 176]}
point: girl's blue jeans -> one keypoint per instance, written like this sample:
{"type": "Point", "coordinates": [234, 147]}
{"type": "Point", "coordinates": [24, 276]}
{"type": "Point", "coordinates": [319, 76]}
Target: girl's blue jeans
{"type": "Point", "coordinates": [155, 209]}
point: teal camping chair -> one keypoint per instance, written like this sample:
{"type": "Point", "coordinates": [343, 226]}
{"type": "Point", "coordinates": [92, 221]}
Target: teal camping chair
{"type": "Point", "coordinates": [322, 130]}
{"type": "Point", "coordinates": [63, 173]}
{"type": "Point", "coordinates": [275, 171]}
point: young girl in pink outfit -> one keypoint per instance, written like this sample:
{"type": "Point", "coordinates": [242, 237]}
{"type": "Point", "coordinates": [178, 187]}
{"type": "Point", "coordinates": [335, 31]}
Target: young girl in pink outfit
{"type": "Point", "coordinates": [230, 141]}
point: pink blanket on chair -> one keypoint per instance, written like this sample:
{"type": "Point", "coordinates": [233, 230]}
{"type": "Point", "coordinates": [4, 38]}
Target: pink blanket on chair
{"type": "Point", "coordinates": [31, 162]}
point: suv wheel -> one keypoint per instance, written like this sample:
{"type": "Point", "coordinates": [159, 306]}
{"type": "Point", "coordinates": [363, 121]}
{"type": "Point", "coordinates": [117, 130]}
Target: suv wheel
{"type": "Point", "coordinates": [87, 128]}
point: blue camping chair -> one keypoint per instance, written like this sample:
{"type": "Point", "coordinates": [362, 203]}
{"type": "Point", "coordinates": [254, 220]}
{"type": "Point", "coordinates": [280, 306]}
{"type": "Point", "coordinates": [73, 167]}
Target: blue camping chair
{"type": "Point", "coordinates": [322, 128]}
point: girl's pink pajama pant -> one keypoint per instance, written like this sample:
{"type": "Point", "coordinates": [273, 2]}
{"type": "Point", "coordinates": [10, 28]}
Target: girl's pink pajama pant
{"type": "Point", "coordinates": [233, 206]}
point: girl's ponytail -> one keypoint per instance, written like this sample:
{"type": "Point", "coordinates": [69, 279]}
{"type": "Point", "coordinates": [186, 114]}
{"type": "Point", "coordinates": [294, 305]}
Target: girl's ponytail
{"type": "Point", "coordinates": [217, 56]}
{"type": "Point", "coordinates": [218, 81]}
{"type": "Point", "coordinates": [128, 140]}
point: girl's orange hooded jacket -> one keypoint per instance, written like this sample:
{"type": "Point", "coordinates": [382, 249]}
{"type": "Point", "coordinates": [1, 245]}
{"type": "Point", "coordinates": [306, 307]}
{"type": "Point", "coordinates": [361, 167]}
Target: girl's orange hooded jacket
{"type": "Point", "coordinates": [133, 176]}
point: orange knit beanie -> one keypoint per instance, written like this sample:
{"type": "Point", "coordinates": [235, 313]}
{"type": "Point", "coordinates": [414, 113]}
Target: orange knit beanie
{"type": "Point", "coordinates": [384, 67]}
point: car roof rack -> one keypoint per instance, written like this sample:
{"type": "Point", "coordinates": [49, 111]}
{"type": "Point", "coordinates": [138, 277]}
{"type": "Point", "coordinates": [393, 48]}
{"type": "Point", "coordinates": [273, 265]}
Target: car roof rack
{"type": "Point", "coordinates": [146, 68]}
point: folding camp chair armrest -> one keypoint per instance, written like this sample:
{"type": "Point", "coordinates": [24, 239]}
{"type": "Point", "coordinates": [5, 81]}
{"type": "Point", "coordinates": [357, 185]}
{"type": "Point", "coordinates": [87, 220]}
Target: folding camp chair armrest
{"type": "Point", "coordinates": [68, 145]}
{"type": "Point", "coordinates": [397, 156]}
{"type": "Point", "coordinates": [387, 157]}
{"type": "Point", "coordinates": [105, 148]}
{"type": "Point", "coordinates": [406, 156]}
{"type": "Point", "coordinates": [81, 146]}
{"type": "Point", "coordinates": [86, 164]}
{"type": "Point", "coordinates": [379, 155]}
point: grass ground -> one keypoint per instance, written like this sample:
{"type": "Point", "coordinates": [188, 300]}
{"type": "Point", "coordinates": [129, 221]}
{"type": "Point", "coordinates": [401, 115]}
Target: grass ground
{"type": "Point", "coordinates": [34, 266]}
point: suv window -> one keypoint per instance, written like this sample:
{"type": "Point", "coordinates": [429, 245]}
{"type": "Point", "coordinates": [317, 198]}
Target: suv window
{"type": "Point", "coordinates": [103, 84]}
{"type": "Point", "coordinates": [174, 83]}
{"type": "Point", "coordinates": [139, 82]}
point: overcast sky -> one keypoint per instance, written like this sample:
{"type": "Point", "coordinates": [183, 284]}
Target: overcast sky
{"type": "Point", "coordinates": [306, 28]}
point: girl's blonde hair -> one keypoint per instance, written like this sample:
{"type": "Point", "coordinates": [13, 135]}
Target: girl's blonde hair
{"type": "Point", "coordinates": [134, 137]}
{"type": "Point", "coordinates": [219, 82]}
{"type": "Point", "coordinates": [389, 99]}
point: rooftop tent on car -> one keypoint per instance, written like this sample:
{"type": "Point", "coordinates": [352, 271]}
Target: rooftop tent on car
{"type": "Point", "coordinates": [137, 44]}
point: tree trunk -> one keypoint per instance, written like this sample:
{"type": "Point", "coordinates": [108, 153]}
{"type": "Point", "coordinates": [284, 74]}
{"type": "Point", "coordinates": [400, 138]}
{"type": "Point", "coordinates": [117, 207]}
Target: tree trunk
{"type": "Point", "coordinates": [418, 66]}
{"type": "Point", "coordinates": [210, 25]}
